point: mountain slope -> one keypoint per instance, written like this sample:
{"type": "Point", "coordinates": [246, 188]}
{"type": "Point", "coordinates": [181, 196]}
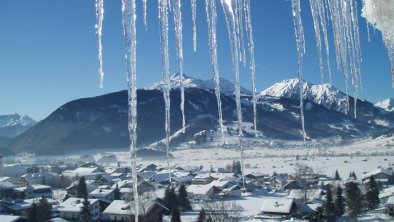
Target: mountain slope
{"type": "Point", "coordinates": [387, 104]}
{"type": "Point", "coordinates": [12, 125]}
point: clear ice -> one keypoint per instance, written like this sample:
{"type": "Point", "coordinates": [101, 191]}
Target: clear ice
{"type": "Point", "coordinates": [99, 31]}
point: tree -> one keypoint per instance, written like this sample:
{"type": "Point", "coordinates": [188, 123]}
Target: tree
{"type": "Point", "coordinates": [183, 200]}
{"type": "Point", "coordinates": [202, 216]}
{"type": "Point", "coordinates": [44, 210]}
{"type": "Point", "coordinates": [354, 198]}
{"type": "Point", "coordinates": [372, 194]}
{"type": "Point", "coordinates": [337, 177]}
{"type": "Point", "coordinates": [224, 210]}
{"type": "Point", "coordinates": [354, 175]}
{"type": "Point", "coordinates": [339, 202]}
{"type": "Point", "coordinates": [82, 190]}
{"type": "Point", "coordinates": [170, 199]}
{"type": "Point", "coordinates": [317, 215]}
{"type": "Point", "coordinates": [116, 192]}
{"type": "Point", "coordinates": [32, 214]}
{"type": "Point", "coordinates": [146, 200]}
{"type": "Point", "coordinates": [85, 215]}
{"type": "Point", "coordinates": [329, 207]}
{"type": "Point", "coordinates": [236, 167]}
{"type": "Point", "coordinates": [175, 216]}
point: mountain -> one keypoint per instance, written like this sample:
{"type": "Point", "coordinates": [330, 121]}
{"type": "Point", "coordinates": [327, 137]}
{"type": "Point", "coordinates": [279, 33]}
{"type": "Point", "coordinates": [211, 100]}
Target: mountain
{"type": "Point", "coordinates": [387, 104]}
{"type": "Point", "coordinates": [331, 98]}
{"type": "Point", "coordinates": [12, 125]}
{"type": "Point", "coordinates": [226, 87]}
{"type": "Point", "coordinates": [101, 122]}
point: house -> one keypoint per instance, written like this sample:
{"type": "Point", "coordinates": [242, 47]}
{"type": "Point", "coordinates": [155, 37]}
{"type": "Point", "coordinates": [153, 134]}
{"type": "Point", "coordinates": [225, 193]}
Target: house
{"type": "Point", "coordinates": [292, 185]}
{"type": "Point", "coordinates": [276, 209]}
{"type": "Point", "coordinates": [70, 209]}
{"type": "Point", "coordinates": [32, 191]}
{"type": "Point", "coordinates": [12, 218]}
{"type": "Point", "coordinates": [203, 192]}
{"type": "Point", "coordinates": [6, 190]}
{"type": "Point", "coordinates": [385, 194]}
{"type": "Point", "coordinates": [277, 182]}
{"type": "Point", "coordinates": [90, 173]}
{"type": "Point", "coordinates": [102, 194]}
{"type": "Point", "coordinates": [37, 178]}
{"type": "Point", "coordinates": [382, 176]}
{"type": "Point", "coordinates": [22, 207]}
{"type": "Point", "coordinates": [150, 167]}
{"type": "Point", "coordinates": [120, 210]}
{"type": "Point", "coordinates": [201, 179]}
{"type": "Point", "coordinates": [72, 189]}
{"type": "Point", "coordinates": [233, 191]}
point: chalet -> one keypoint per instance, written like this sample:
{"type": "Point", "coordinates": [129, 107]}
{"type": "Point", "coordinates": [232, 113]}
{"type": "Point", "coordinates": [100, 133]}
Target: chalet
{"type": "Point", "coordinates": [37, 178]}
{"type": "Point", "coordinates": [120, 210]}
{"type": "Point", "coordinates": [381, 176]}
{"type": "Point", "coordinates": [32, 191]}
{"type": "Point", "coordinates": [103, 194]}
{"type": "Point", "coordinates": [22, 207]}
{"type": "Point", "coordinates": [385, 194]}
{"type": "Point", "coordinates": [72, 189]}
{"type": "Point", "coordinates": [203, 192]}
{"type": "Point", "coordinates": [70, 209]}
{"type": "Point", "coordinates": [202, 179]}
{"type": "Point", "coordinates": [277, 182]}
{"type": "Point", "coordinates": [276, 209]}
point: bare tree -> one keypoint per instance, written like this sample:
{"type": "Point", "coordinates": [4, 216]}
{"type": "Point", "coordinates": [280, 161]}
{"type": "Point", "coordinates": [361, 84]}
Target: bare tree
{"type": "Point", "coordinates": [226, 211]}
{"type": "Point", "coordinates": [145, 201]}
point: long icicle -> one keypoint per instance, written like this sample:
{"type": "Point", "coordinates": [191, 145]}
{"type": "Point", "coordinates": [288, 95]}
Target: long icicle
{"type": "Point", "coordinates": [315, 16]}
{"type": "Point", "coordinates": [323, 24]}
{"type": "Point", "coordinates": [179, 53]}
{"type": "Point", "coordinates": [130, 34]}
{"type": "Point", "coordinates": [300, 42]}
{"type": "Point", "coordinates": [211, 18]}
{"type": "Point", "coordinates": [99, 31]}
{"type": "Point", "coordinates": [145, 6]}
{"type": "Point", "coordinates": [194, 14]}
{"type": "Point", "coordinates": [231, 23]}
{"type": "Point", "coordinates": [163, 23]}
{"type": "Point", "coordinates": [252, 64]}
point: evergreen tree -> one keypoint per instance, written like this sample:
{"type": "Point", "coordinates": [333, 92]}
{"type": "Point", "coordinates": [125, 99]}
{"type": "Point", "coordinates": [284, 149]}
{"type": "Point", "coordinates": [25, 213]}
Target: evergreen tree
{"type": "Point", "coordinates": [175, 216]}
{"type": "Point", "coordinates": [82, 190]}
{"type": "Point", "coordinates": [44, 210]}
{"type": "Point", "coordinates": [85, 215]}
{"type": "Point", "coordinates": [202, 216]}
{"type": "Point", "coordinates": [317, 216]}
{"type": "Point", "coordinates": [32, 214]}
{"type": "Point", "coordinates": [329, 207]}
{"type": "Point", "coordinates": [339, 202]}
{"type": "Point", "coordinates": [354, 198]}
{"type": "Point", "coordinates": [236, 168]}
{"type": "Point", "coordinates": [170, 199]}
{"type": "Point", "coordinates": [372, 195]}
{"type": "Point", "coordinates": [354, 176]}
{"type": "Point", "coordinates": [337, 177]}
{"type": "Point", "coordinates": [183, 200]}
{"type": "Point", "coordinates": [116, 192]}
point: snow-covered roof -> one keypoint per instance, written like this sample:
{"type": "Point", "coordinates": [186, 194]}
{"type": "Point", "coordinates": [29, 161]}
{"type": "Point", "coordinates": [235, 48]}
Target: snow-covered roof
{"type": "Point", "coordinates": [101, 192]}
{"type": "Point", "coordinates": [376, 172]}
{"type": "Point", "coordinates": [199, 189]}
{"type": "Point", "coordinates": [120, 207]}
{"type": "Point", "coordinates": [73, 204]}
{"type": "Point", "coordinates": [277, 205]}
{"type": "Point", "coordinates": [390, 200]}
{"type": "Point", "coordinates": [9, 218]}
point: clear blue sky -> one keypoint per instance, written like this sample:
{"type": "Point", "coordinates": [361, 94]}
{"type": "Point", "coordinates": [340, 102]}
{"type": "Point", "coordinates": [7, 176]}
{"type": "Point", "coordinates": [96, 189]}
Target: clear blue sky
{"type": "Point", "coordinates": [48, 51]}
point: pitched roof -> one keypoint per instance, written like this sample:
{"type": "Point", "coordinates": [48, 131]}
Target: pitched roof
{"type": "Point", "coordinates": [277, 205]}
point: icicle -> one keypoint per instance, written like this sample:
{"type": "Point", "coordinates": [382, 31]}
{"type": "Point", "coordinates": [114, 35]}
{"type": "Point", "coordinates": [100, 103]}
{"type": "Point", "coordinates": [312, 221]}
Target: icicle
{"type": "Point", "coordinates": [211, 19]}
{"type": "Point", "coordinates": [99, 29]}
{"type": "Point", "coordinates": [163, 20]}
{"type": "Point", "coordinates": [299, 33]}
{"type": "Point", "coordinates": [233, 39]}
{"type": "Point", "coordinates": [179, 53]}
{"type": "Point", "coordinates": [145, 6]}
{"type": "Point", "coordinates": [130, 34]}
{"type": "Point", "coordinates": [315, 16]}
{"type": "Point", "coordinates": [249, 31]}
{"type": "Point", "coordinates": [323, 23]}
{"type": "Point", "coordinates": [194, 14]}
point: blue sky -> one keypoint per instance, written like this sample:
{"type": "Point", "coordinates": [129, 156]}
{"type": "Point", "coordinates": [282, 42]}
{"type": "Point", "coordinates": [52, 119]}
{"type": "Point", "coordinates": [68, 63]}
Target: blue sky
{"type": "Point", "coordinates": [48, 51]}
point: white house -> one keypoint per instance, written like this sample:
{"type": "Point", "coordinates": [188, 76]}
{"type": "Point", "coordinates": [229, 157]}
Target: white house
{"type": "Point", "coordinates": [70, 209]}
{"type": "Point", "coordinates": [103, 194]}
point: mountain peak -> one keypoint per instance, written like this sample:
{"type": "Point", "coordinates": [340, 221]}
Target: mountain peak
{"type": "Point", "coordinates": [322, 94]}
{"type": "Point", "coordinates": [226, 86]}
{"type": "Point", "coordinates": [387, 104]}
{"type": "Point", "coordinates": [14, 124]}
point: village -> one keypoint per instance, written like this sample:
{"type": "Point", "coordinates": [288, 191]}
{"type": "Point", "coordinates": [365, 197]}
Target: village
{"type": "Point", "coordinates": [102, 192]}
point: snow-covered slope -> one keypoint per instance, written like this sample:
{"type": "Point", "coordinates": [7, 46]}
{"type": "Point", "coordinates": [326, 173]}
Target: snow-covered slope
{"type": "Point", "coordinates": [322, 94]}
{"type": "Point", "coordinates": [387, 104]}
{"type": "Point", "coordinates": [226, 87]}
{"type": "Point", "coordinates": [12, 125]}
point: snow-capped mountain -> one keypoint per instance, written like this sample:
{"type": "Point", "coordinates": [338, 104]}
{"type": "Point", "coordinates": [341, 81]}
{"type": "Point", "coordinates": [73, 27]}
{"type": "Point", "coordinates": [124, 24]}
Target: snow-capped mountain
{"type": "Point", "coordinates": [14, 124]}
{"type": "Point", "coordinates": [322, 94]}
{"type": "Point", "coordinates": [226, 87]}
{"type": "Point", "coordinates": [387, 104]}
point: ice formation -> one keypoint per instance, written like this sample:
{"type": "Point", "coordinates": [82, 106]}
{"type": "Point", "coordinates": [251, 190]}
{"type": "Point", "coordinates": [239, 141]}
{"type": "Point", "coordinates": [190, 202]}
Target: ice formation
{"type": "Point", "coordinates": [99, 31]}
{"type": "Point", "coordinates": [194, 14]}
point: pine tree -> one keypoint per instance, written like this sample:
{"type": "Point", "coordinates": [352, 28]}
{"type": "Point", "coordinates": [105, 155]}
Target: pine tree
{"type": "Point", "coordinates": [317, 216]}
{"type": "Point", "coordinates": [337, 177]}
{"type": "Point", "coordinates": [32, 215]}
{"type": "Point", "coordinates": [202, 216]}
{"type": "Point", "coordinates": [236, 168]}
{"type": "Point", "coordinates": [329, 207]}
{"type": "Point", "coordinates": [116, 192]}
{"type": "Point", "coordinates": [354, 198]}
{"type": "Point", "coordinates": [183, 200]}
{"type": "Point", "coordinates": [82, 190]}
{"type": "Point", "coordinates": [175, 216]}
{"type": "Point", "coordinates": [85, 215]}
{"type": "Point", "coordinates": [339, 202]}
{"type": "Point", "coordinates": [44, 210]}
{"type": "Point", "coordinates": [354, 175]}
{"type": "Point", "coordinates": [170, 199]}
{"type": "Point", "coordinates": [372, 195]}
